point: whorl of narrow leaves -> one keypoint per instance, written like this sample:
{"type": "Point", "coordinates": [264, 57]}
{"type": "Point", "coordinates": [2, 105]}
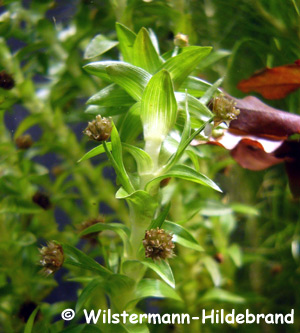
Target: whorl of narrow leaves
{"type": "Point", "coordinates": [158, 244]}
{"type": "Point", "coordinates": [52, 258]}
{"type": "Point", "coordinates": [99, 129]}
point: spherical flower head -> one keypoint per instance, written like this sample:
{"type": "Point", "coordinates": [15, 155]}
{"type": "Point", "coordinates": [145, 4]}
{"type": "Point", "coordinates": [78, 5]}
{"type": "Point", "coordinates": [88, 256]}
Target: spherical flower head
{"type": "Point", "coordinates": [158, 244]}
{"type": "Point", "coordinates": [42, 200]}
{"type": "Point", "coordinates": [52, 258]}
{"type": "Point", "coordinates": [181, 40]}
{"type": "Point", "coordinates": [24, 141]}
{"type": "Point", "coordinates": [99, 129]}
{"type": "Point", "coordinates": [224, 110]}
{"type": "Point", "coordinates": [6, 81]}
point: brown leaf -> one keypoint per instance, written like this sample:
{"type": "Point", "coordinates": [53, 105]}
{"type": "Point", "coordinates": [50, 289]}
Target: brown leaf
{"type": "Point", "coordinates": [258, 139]}
{"type": "Point", "coordinates": [274, 83]}
{"type": "Point", "coordinates": [260, 119]}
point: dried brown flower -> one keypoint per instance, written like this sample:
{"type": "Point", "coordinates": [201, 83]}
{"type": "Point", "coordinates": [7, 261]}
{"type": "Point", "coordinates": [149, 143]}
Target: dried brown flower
{"type": "Point", "coordinates": [6, 81]}
{"type": "Point", "coordinates": [24, 141]}
{"type": "Point", "coordinates": [99, 129]}
{"type": "Point", "coordinates": [158, 244]}
{"type": "Point", "coordinates": [224, 109]}
{"type": "Point", "coordinates": [42, 200]}
{"type": "Point", "coordinates": [52, 258]}
{"type": "Point", "coordinates": [88, 223]}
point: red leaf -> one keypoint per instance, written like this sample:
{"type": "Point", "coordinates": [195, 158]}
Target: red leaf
{"type": "Point", "coordinates": [273, 83]}
{"type": "Point", "coordinates": [258, 139]}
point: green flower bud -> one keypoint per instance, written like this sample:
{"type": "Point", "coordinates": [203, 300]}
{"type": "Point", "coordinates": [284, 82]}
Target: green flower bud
{"type": "Point", "coordinates": [224, 110]}
{"type": "Point", "coordinates": [158, 244]}
{"type": "Point", "coordinates": [181, 40]}
{"type": "Point", "coordinates": [99, 129]}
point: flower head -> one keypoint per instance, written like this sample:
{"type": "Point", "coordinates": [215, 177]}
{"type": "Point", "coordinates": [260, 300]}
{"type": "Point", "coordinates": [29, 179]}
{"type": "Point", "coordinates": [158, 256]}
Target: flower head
{"type": "Point", "coordinates": [42, 200]}
{"type": "Point", "coordinates": [24, 141]}
{"type": "Point", "coordinates": [99, 129]}
{"type": "Point", "coordinates": [224, 110]}
{"type": "Point", "coordinates": [52, 258]}
{"type": "Point", "coordinates": [158, 244]}
{"type": "Point", "coordinates": [6, 81]}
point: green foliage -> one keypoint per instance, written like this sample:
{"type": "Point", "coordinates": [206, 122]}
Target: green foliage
{"type": "Point", "coordinates": [236, 232]}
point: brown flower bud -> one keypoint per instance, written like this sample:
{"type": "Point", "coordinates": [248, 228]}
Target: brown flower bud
{"type": "Point", "coordinates": [24, 142]}
{"type": "Point", "coordinates": [219, 258]}
{"type": "Point", "coordinates": [42, 200]}
{"type": "Point", "coordinates": [52, 258]}
{"type": "Point", "coordinates": [181, 40]}
{"type": "Point", "coordinates": [158, 244]}
{"type": "Point", "coordinates": [57, 170]}
{"type": "Point", "coordinates": [224, 110]}
{"type": "Point", "coordinates": [6, 81]}
{"type": "Point", "coordinates": [164, 182]}
{"type": "Point", "coordinates": [88, 223]}
{"type": "Point", "coordinates": [276, 269]}
{"type": "Point", "coordinates": [99, 129]}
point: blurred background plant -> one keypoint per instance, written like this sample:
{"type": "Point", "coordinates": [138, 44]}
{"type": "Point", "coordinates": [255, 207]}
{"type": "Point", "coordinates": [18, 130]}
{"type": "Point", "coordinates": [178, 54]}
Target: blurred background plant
{"type": "Point", "coordinates": [250, 233]}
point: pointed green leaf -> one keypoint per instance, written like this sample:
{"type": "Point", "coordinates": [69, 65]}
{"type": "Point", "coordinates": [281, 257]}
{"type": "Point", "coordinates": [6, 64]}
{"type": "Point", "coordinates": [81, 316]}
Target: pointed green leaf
{"type": "Point", "coordinates": [117, 160]}
{"type": "Point", "coordinates": [131, 78]}
{"type": "Point", "coordinates": [182, 236]}
{"type": "Point", "coordinates": [132, 125]}
{"type": "Point", "coordinates": [158, 222]}
{"type": "Point", "coordinates": [76, 257]}
{"type": "Point", "coordinates": [153, 288]}
{"type": "Point", "coordinates": [143, 160]}
{"type": "Point", "coordinates": [210, 92]}
{"type": "Point", "coordinates": [187, 173]}
{"type": "Point", "coordinates": [184, 63]}
{"type": "Point", "coordinates": [221, 295]}
{"type": "Point", "coordinates": [87, 292]}
{"type": "Point", "coordinates": [145, 54]}
{"type": "Point", "coordinates": [28, 122]}
{"type": "Point", "coordinates": [213, 269]}
{"type": "Point", "coordinates": [163, 269]}
{"type": "Point", "coordinates": [98, 46]}
{"type": "Point", "coordinates": [95, 151]}
{"type": "Point", "coordinates": [159, 107]}
{"type": "Point", "coordinates": [30, 321]}
{"type": "Point", "coordinates": [118, 228]}
{"type": "Point", "coordinates": [138, 198]}
{"type": "Point", "coordinates": [98, 68]}
{"type": "Point", "coordinates": [106, 111]}
{"type": "Point", "coordinates": [194, 86]}
{"type": "Point", "coordinates": [195, 107]}
{"type": "Point", "coordinates": [213, 57]}
{"type": "Point", "coordinates": [112, 95]}
{"type": "Point", "coordinates": [126, 39]}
